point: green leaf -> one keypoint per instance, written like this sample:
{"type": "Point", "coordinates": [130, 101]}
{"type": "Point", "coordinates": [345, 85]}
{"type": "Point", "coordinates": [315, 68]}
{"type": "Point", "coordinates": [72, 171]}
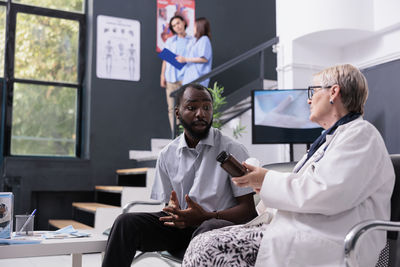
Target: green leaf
{"type": "Point", "coordinates": [238, 131]}
{"type": "Point", "coordinates": [218, 101]}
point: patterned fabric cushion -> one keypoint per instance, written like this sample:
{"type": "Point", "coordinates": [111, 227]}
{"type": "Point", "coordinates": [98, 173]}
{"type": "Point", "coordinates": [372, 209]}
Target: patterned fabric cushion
{"type": "Point", "coordinates": [384, 257]}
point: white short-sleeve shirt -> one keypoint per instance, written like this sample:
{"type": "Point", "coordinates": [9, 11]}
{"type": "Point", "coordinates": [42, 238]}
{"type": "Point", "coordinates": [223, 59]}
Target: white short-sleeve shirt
{"type": "Point", "coordinates": [195, 171]}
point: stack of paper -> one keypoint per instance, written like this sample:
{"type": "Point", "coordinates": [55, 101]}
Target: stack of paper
{"type": "Point", "coordinates": [66, 232]}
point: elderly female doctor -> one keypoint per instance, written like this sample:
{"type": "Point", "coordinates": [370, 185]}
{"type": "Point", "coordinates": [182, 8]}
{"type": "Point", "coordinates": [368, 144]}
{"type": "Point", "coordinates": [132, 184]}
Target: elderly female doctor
{"type": "Point", "coordinates": [346, 177]}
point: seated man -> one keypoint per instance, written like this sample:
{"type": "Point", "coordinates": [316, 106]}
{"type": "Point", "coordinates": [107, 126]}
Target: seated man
{"type": "Point", "coordinates": [199, 193]}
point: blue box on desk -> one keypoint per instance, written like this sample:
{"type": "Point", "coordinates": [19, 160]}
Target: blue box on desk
{"type": "Point", "coordinates": [6, 214]}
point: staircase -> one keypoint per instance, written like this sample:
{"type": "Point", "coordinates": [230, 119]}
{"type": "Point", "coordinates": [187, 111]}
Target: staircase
{"type": "Point", "coordinates": [135, 184]}
{"type": "Point", "coordinates": [132, 185]}
{"type": "Point", "coordinates": [157, 145]}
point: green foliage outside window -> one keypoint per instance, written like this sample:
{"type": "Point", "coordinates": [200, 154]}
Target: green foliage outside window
{"type": "Point", "coordinates": [66, 5]}
{"type": "Point", "coordinates": [44, 117]}
{"type": "Point", "coordinates": [44, 120]}
{"type": "Point", "coordinates": [46, 48]}
{"type": "Point", "coordinates": [2, 37]}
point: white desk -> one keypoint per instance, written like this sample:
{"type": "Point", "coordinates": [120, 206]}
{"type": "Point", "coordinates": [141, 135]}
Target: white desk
{"type": "Point", "coordinates": [96, 243]}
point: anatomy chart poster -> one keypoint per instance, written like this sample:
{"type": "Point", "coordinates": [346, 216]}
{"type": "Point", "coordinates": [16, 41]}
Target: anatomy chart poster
{"type": "Point", "coordinates": [118, 48]}
{"type": "Point", "coordinates": [166, 9]}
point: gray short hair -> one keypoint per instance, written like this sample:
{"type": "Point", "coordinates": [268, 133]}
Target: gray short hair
{"type": "Point", "coordinates": [353, 85]}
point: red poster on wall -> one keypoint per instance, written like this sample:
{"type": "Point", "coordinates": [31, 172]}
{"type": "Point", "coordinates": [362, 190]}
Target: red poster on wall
{"type": "Point", "coordinates": [166, 9]}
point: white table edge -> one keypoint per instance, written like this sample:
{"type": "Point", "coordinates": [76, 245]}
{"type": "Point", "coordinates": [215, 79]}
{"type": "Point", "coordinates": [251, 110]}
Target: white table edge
{"type": "Point", "coordinates": [52, 247]}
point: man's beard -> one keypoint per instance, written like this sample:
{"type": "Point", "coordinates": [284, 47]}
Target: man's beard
{"type": "Point", "coordinates": [195, 134]}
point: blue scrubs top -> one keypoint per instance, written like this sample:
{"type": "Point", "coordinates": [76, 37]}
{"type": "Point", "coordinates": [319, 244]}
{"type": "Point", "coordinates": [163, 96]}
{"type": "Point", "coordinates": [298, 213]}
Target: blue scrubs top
{"type": "Point", "coordinates": [178, 46]}
{"type": "Point", "coordinates": [198, 48]}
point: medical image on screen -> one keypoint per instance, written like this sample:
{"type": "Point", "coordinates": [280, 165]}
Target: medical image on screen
{"type": "Point", "coordinates": [282, 116]}
{"type": "Point", "coordinates": [287, 108]}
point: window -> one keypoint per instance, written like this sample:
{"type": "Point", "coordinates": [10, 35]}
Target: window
{"type": "Point", "coordinates": [44, 73]}
{"type": "Point", "coordinates": [2, 37]}
{"type": "Point", "coordinates": [46, 48]}
{"type": "Point", "coordinates": [50, 128]}
{"type": "Point", "coordinates": [67, 5]}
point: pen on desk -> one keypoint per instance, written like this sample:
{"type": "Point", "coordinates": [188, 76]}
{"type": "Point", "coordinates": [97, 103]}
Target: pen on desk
{"type": "Point", "coordinates": [27, 221]}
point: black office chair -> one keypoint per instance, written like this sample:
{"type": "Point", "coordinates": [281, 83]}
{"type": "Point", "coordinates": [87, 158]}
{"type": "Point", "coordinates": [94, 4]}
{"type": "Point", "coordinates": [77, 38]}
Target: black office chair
{"type": "Point", "coordinates": [388, 256]}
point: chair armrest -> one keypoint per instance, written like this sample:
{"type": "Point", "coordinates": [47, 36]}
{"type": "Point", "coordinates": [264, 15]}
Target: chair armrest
{"type": "Point", "coordinates": [353, 236]}
{"type": "Point", "coordinates": [167, 255]}
{"type": "Point", "coordinates": [129, 205]}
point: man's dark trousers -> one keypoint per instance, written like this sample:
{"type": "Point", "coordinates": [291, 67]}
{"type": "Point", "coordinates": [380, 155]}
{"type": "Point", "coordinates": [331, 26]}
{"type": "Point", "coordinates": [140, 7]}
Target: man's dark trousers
{"type": "Point", "coordinates": [145, 232]}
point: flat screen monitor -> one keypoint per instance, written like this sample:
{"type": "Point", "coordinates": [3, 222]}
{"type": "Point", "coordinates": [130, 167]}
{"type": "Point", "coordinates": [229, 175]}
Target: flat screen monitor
{"type": "Point", "coordinates": [282, 117]}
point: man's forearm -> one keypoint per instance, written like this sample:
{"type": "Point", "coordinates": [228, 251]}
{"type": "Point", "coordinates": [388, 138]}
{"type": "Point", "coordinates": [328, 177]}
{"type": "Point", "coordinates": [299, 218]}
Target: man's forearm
{"type": "Point", "coordinates": [194, 214]}
{"type": "Point", "coordinates": [241, 213]}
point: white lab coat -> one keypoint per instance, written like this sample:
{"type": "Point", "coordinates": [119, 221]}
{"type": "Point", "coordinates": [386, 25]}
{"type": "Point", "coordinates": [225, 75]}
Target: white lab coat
{"type": "Point", "coordinates": [349, 179]}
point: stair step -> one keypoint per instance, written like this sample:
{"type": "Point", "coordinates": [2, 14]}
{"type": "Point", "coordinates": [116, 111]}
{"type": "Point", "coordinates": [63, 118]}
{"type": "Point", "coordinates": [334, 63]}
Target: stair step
{"type": "Point", "coordinates": [91, 206]}
{"type": "Point", "coordinates": [132, 171]}
{"type": "Point", "coordinates": [143, 155]}
{"type": "Point", "coordinates": [63, 223]}
{"type": "Point", "coordinates": [132, 177]}
{"type": "Point", "coordinates": [109, 188]}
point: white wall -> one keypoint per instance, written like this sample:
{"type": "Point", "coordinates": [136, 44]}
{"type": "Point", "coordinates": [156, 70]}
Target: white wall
{"type": "Point", "coordinates": [314, 34]}
{"type": "Point", "coordinates": [318, 33]}
{"type": "Point", "coordinates": [386, 13]}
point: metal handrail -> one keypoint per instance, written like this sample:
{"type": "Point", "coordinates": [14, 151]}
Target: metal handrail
{"type": "Point", "coordinates": [230, 63]}
{"type": "Point", "coordinates": [129, 205]}
{"type": "Point", "coordinates": [234, 61]}
{"type": "Point", "coordinates": [351, 243]}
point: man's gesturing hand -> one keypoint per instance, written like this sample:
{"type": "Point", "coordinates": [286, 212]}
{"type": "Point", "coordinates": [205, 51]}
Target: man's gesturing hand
{"type": "Point", "coordinates": [174, 201]}
{"type": "Point", "coordinates": [194, 215]}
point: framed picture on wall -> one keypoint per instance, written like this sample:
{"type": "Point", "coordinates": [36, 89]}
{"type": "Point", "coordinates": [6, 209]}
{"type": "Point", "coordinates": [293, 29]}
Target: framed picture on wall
{"type": "Point", "coordinates": [118, 48]}
{"type": "Point", "coordinates": [166, 9]}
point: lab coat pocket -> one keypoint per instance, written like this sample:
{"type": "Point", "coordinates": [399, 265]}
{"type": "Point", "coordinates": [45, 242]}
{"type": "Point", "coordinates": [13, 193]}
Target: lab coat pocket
{"type": "Point", "coordinates": [309, 250]}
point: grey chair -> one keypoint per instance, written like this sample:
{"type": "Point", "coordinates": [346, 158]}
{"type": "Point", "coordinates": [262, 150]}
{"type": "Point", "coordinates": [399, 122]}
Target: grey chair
{"type": "Point", "coordinates": [166, 256]}
{"type": "Point", "coordinates": [388, 256]}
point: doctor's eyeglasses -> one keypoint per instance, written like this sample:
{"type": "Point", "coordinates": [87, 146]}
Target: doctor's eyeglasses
{"type": "Point", "coordinates": [312, 90]}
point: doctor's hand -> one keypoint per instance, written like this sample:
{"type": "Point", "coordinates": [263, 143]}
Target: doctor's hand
{"type": "Point", "coordinates": [194, 215]}
{"type": "Point", "coordinates": [253, 178]}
